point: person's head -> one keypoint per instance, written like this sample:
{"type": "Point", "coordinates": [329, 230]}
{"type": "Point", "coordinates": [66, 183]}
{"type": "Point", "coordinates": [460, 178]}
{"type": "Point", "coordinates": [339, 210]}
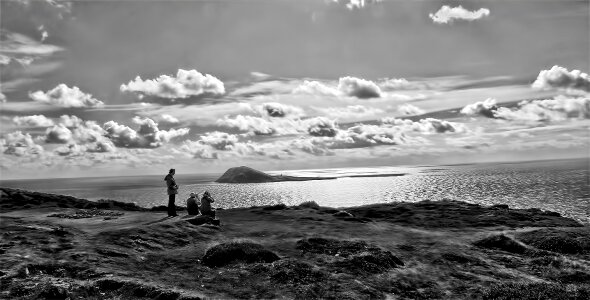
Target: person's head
{"type": "Point", "coordinates": [206, 193]}
{"type": "Point", "coordinates": [194, 195]}
{"type": "Point", "coordinates": [172, 171]}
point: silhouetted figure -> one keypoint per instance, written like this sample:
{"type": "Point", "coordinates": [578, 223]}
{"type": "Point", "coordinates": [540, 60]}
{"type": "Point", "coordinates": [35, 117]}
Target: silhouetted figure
{"type": "Point", "coordinates": [206, 209]}
{"type": "Point", "coordinates": [172, 191]}
{"type": "Point", "coordinates": [191, 204]}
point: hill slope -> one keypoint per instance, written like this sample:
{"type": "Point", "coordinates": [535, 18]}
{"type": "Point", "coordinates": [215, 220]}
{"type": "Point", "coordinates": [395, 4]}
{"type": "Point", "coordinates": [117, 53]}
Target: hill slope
{"type": "Point", "coordinates": [245, 174]}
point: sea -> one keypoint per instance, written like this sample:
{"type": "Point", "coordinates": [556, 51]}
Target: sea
{"type": "Point", "coordinates": [556, 185]}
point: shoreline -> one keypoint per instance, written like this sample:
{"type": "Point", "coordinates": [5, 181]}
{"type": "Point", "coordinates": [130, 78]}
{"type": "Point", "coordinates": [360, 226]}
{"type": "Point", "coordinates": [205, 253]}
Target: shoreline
{"type": "Point", "coordinates": [59, 246]}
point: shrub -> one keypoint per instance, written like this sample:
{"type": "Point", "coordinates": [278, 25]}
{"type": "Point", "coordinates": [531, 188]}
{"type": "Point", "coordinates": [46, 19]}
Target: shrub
{"type": "Point", "coordinates": [536, 291]}
{"type": "Point", "coordinates": [237, 251]}
{"type": "Point", "coordinates": [568, 242]}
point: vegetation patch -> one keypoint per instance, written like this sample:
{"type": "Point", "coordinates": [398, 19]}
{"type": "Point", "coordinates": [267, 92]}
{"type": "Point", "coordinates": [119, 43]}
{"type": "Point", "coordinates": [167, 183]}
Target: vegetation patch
{"type": "Point", "coordinates": [556, 240]}
{"type": "Point", "coordinates": [333, 246]}
{"type": "Point", "coordinates": [290, 271]}
{"type": "Point", "coordinates": [536, 291]}
{"type": "Point", "coordinates": [87, 213]}
{"type": "Point", "coordinates": [237, 252]}
{"type": "Point", "coordinates": [501, 242]}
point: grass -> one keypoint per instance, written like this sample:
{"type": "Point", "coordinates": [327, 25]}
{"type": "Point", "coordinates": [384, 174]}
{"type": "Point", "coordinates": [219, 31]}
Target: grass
{"type": "Point", "coordinates": [237, 252]}
{"type": "Point", "coordinates": [398, 251]}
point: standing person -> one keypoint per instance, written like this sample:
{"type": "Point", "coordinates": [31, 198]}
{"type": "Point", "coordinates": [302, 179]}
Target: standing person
{"type": "Point", "coordinates": [206, 201]}
{"type": "Point", "coordinates": [172, 191]}
{"type": "Point", "coordinates": [191, 204]}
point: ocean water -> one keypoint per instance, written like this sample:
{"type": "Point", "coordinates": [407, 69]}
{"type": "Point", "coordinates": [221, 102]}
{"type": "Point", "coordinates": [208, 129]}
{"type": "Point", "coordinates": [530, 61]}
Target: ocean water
{"type": "Point", "coordinates": [560, 185]}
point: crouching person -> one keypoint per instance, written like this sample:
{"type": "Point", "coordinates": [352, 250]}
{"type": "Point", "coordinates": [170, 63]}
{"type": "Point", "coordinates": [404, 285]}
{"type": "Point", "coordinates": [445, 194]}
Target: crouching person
{"type": "Point", "coordinates": [206, 208]}
{"type": "Point", "coordinates": [192, 205]}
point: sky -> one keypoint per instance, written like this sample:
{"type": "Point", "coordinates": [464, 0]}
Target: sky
{"type": "Point", "coordinates": [105, 88]}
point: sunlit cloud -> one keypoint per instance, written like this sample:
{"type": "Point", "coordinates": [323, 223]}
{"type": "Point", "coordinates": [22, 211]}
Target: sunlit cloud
{"type": "Point", "coordinates": [558, 109]}
{"type": "Point", "coordinates": [485, 108]}
{"type": "Point", "coordinates": [561, 78]}
{"type": "Point", "coordinates": [185, 84]}
{"type": "Point", "coordinates": [64, 96]}
{"type": "Point", "coordinates": [447, 14]}
{"type": "Point", "coordinates": [33, 121]}
{"type": "Point", "coordinates": [147, 136]}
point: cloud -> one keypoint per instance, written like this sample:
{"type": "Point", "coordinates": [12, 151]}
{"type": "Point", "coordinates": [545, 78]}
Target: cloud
{"type": "Point", "coordinates": [485, 108]}
{"type": "Point", "coordinates": [447, 14]}
{"type": "Point", "coordinates": [261, 126]}
{"type": "Point", "coordinates": [58, 134]}
{"type": "Point", "coordinates": [168, 119]}
{"type": "Point", "coordinates": [33, 121]}
{"type": "Point", "coordinates": [20, 144]}
{"type": "Point", "coordinates": [401, 84]}
{"type": "Point", "coordinates": [219, 140]}
{"type": "Point", "coordinates": [70, 121]}
{"type": "Point", "coordinates": [2, 97]}
{"type": "Point", "coordinates": [360, 88]}
{"type": "Point", "coordinates": [321, 126]}
{"type": "Point", "coordinates": [347, 86]}
{"type": "Point", "coordinates": [409, 110]}
{"type": "Point", "coordinates": [560, 78]}
{"type": "Point", "coordinates": [351, 112]}
{"type": "Point", "coordinates": [426, 126]}
{"type": "Point", "coordinates": [278, 110]}
{"type": "Point", "coordinates": [355, 4]}
{"type": "Point", "coordinates": [64, 96]}
{"type": "Point", "coordinates": [187, 83]}
{"type": "Point", "coordinates": [147, 136]}
{"type": "Point", "coordinates": [558, 109]}
{"type": "Point", "coordinates": [316, 88]}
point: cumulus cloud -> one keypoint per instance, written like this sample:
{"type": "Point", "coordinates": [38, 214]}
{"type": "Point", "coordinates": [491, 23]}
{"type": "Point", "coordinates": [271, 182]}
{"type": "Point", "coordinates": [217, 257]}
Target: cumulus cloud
{"type": "Point", "coordinates": [561, 78]}
{"type": "Point", "coordinates": [20, 144]}
{"type": "Point", "coordinates": [70, 121]}
{"type": "Point", "coordinates": [58, 134]}
{"type": "Point", "coordinates": [261, 126]}
{"type": "Point", "coordinates": [357, 87]}
{"type": "Point", "coordinates": [219, 140]}
{"type": "Point", "coordinates": [147, 136]}
{"type": "Point", "coordinates": [187, 83]}
{"type": "Point", "coordinates": [426, 126]}
{"type": "Point", "coordinates": [278, 110]}
{"type": "Point", "coordinates": [447, 14]}
{"type": "Point", "coordinates": [321, 126]}
{"type": "Point", "coordinates": [560, 108]}
{"type": "Point", "coordinates": [409, 110]}
{"type": "Point", "coordinates": [64, 96]}
{"type": "Point", "coordinates": [485, 108]}
{"type": "Point", "coordinates": [347, 86]}
{"type": "Point", "coordinates": [33, 121]}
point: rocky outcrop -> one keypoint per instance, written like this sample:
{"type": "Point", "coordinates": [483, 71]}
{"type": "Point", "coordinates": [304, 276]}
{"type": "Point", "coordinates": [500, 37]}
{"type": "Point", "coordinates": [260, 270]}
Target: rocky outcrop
{"type": "Point", "coordinates": [245, 174]}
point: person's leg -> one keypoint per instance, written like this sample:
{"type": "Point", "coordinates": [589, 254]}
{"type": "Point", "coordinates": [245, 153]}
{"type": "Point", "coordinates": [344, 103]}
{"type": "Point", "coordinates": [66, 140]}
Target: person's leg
{"type": "Point", "coordinates": [171, 205]}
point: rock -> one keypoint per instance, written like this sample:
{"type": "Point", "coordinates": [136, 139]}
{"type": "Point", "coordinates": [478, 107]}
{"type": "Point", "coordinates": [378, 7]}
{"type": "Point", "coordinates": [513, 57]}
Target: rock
{"type": "Point", "coordinates": [342, 213]}
{"type": "Point", "coordinates": [237, 252]}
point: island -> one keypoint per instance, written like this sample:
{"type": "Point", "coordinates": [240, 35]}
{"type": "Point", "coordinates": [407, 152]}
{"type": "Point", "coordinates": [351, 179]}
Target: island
{"type": "Point", "coordinates": [245, 174]}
